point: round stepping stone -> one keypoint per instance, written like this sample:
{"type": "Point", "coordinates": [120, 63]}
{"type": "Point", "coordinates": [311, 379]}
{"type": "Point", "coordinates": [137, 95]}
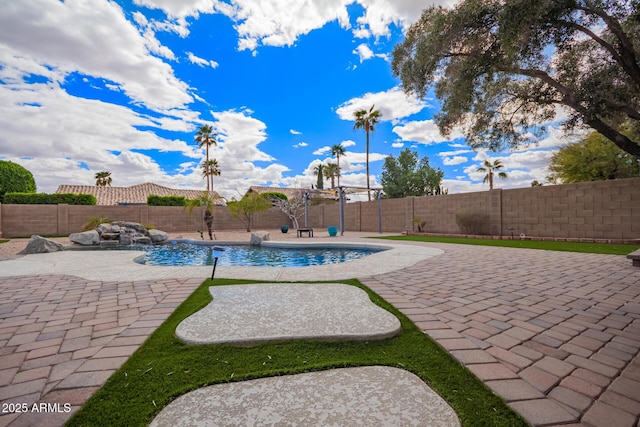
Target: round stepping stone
{"type": "Point", "coordinates": [247, 314]}
{"type": "Point", "coordinates": [365, 396]}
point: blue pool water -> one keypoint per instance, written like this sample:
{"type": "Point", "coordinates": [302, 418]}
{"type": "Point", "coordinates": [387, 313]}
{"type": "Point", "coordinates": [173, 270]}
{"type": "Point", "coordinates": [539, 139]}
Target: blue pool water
{"type": "Point", "coordinates": [183, 254]}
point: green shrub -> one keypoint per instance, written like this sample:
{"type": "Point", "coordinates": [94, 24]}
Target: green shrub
{"type": "Point", "coordinates": [15, 179]}
{"type": "Point", "coordinates": [49, 199]}
{"type": "Point", "coordinates": [419, 223]}
{"type": "Point", "coordinates": [473, 222]}
{"type": "Point", "coordinates": [153, 200]}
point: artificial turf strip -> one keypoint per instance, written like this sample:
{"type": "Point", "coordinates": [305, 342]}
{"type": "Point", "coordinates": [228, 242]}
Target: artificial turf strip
{"type": "Point", "coordinates": [164, 368]}
{"type": "Point", "coordinates": [594, 248]}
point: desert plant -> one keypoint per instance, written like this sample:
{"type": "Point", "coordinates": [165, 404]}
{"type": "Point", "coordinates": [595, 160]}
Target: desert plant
{"type": "Point", "coordinates": [472, 221]}
{"type": "Point", "coordinates": [248, 206]}
{"type": "Point", "coordinates": [419, 223]}
{"type": "Point", "coordinates": [207, 201]}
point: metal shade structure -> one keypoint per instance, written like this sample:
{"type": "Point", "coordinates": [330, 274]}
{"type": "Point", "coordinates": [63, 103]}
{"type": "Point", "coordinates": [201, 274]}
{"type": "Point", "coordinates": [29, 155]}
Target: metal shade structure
{"type": "Point", "coordinates": [342, 191]}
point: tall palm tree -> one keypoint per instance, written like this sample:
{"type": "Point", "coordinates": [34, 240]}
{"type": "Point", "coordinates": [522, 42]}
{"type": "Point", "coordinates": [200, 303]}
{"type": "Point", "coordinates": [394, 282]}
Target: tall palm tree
{"type": "Point", "coordinates": [206, 138]}
{"type": "Point", "coordinates": [492, 169]}
{"type": "Point", "coordinates": [338, 150]}
{"type": "Point", "coordinates": [367, 120]}
{"type": "Point", "coordinates": [210, 168]}
{"type": "Point", "coordinates": [103, 179]}
{"type": "Point", "coordinates": [319, 172]}
{"type": "Point", "coordinates": [331, 171]}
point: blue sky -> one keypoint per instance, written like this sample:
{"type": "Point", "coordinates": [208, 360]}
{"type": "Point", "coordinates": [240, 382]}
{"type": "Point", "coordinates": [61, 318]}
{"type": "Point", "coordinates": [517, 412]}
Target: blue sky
{"type": "Point", "coordinates": [122, 86]}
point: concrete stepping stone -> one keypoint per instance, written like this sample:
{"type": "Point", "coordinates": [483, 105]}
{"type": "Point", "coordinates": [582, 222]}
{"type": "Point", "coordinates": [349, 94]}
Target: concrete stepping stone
{"type": "Point", "coordinates": [364, 396]}
{"type": "Point", "coordinates": [245, 314]}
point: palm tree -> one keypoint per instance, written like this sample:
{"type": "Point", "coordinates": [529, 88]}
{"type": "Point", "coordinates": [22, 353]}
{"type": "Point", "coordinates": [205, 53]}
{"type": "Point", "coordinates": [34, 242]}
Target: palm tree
{"type": "Point", "coordinates": [338, 150]}
{"type": "Point", "coordinates": [492, 169]}
{"type": "Point", "coordinates": [319, 172]}
{"type": "Point", "coordinates": [367, 120]}
{"type": "Point", "coordinates": [207, 201]}
{"type": "Point", "coordinates": [206, 138]}
{"type": "Point", "coordinates": [210, 168]}
{"type": "Point", "coordinates": [331, 171]}
{"type": "Point", "coordinates": [103, 179]}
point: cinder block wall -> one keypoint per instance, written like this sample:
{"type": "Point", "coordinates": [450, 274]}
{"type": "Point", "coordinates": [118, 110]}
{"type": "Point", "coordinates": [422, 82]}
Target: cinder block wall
{"type": "Point", "coordinates": [600, 210]}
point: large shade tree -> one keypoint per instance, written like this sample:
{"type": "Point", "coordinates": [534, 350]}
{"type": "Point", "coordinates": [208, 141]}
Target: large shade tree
{"type": "Point", "coordinates": [367, 120]}
{"type": "Point", "coordinates": [501, 68]}
{"type": "Point", "coordinates": [206, 138]}
{"type": "Point", "coordinates": [406, 176]}
{"type": "Point", "coordinates": [594, 158]}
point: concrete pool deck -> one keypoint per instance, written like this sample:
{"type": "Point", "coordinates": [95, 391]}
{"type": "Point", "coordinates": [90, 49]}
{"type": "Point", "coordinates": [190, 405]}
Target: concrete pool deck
{"type": "Point", "coordinates": [556, 334]}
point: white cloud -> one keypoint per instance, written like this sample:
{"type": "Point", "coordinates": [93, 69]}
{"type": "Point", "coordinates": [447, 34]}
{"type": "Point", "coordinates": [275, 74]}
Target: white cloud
{"type": "Point", "coordinates": [455, 160]}
{"type": "Point", "coordinates": [54, 39]}
{"type": "Point", "coordinates": [425, 132]}
{"type": "Point", "coordinates": [365, 52]}
{"type": "Point", "coordinates": [300, 144]}
{"type": "Point", "coordinates": [453, 153]}
{"type": "Point", "coordinates": [322, 150]}
{"type": "Point", "coordinates": [240, 135]}
{"type": "Point", "coordinates": [393, 104]}
{"type": "Point", "coordinates": [281, 22]}
{"type": "Point", "coordinates": [380, 14]}
{"type": "Point", "coordinates": [295, 132]}
{"type": "Point", "coordinates": [201, 61]}
{"type": "Point", "coordinates": [348, 143]}
{"type": "Point", "coordinates": [397, 144]}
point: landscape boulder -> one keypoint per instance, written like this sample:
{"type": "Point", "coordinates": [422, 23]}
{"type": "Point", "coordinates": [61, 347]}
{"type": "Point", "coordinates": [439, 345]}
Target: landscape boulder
{"type": "Point", "coordinates": [41, 245]}
{"type": "Point", "coordinates": [258, 237]}
{"type": "Point", "coordinates": [158, 236]}
{"type": "Point", "coordinates": [86, 238]}
{"type": "Point", "coordinates": [119, 233]}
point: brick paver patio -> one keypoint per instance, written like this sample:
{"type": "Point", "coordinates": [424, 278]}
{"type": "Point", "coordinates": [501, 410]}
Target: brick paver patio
{"type": "Point", "coordinates": [557, 335]}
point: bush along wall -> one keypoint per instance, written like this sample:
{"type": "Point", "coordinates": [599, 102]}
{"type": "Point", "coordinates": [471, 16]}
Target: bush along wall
{"type": "Point", "coordinates": [153, 200]}
{"type": "Point", "coordinates": [49, 199]}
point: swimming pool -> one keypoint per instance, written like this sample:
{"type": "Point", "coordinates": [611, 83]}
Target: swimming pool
{"type": "Point", "coordinates": [185, 254]}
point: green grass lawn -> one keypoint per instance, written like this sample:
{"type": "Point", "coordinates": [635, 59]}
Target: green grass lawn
{"type": "Point", "coordinates": [164, 368]}
{"type": "Point", "coordinates": [597, 248]}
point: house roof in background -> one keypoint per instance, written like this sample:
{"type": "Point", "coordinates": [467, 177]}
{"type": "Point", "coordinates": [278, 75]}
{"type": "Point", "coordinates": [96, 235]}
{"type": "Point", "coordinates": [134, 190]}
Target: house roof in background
{"type": "Point", "coordinates": [293, 192]}
{"type": "Point", "coordinates": [136, 194]}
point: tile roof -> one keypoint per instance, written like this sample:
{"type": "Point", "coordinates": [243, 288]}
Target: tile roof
{"type": "Point", "coordinates": [136, 194]}
{"type": "Point", "coordinates": [293, 192]}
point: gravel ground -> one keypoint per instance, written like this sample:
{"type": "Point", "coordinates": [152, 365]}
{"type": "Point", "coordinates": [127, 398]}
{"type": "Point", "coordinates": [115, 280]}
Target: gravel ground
{"type": "Point", "coordinates": [13, 246]}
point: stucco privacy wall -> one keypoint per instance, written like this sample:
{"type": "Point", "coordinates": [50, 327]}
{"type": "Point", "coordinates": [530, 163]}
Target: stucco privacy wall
{"type": "Point", "coordinates": [601, 210]}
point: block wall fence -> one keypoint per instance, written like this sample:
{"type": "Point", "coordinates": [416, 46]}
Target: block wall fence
{"type": "Point", "coordinates": [598, 210]}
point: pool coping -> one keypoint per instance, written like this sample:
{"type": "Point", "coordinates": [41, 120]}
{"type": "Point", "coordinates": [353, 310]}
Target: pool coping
{"type": "Point", "coordinates": [120, 265]}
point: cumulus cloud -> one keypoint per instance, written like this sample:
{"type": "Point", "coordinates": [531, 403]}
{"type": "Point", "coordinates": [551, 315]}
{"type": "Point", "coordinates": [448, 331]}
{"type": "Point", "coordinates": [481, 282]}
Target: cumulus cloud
{"type": "Point", "coordinates": [424, 132]}
{"type": "Point", "coordinates": [455, 160]}
{"type": "Point", "coordinates": [397, 144]}
{"type": "Point", "coordinates": [57, 38]}
{"type": "Point", "coordinates": [294, 132]}
{"type": "Point", "coordinates": [240, 135]}
{"type": "Point", "coordinates": [365, 52]}
{"type": "Point", "coordinates": [201, 61]}
{"type": "Point", "coordinates": [393, 104]}
{"type": "Point", "coordinates": [300, 144]}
